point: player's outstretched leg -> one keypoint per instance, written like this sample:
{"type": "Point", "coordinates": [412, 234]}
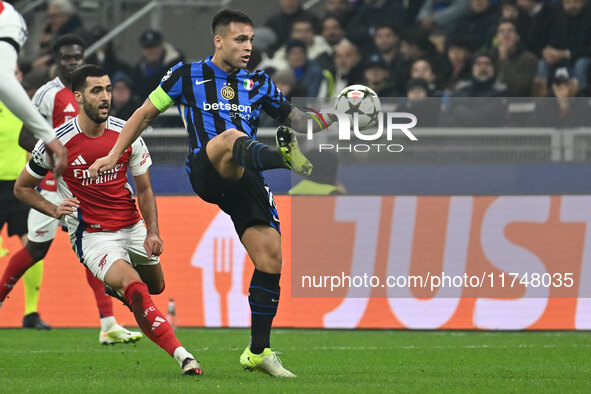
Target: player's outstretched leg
{"type": "Point", "coordinates": [290, 151]}
{"type": "Point", "coordinates": [155, 326]}
{"type": "Point", "coordinates": [111, 332]}
{"type": "Point", "coordinates": [20, 262]}
{"type": "Point", "coordinates": [232, 151]}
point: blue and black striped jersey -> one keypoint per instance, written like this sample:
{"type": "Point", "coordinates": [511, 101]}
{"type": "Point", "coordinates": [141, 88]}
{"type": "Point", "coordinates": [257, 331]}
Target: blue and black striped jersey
{"type": "Point", "coordinates": [211, 101]}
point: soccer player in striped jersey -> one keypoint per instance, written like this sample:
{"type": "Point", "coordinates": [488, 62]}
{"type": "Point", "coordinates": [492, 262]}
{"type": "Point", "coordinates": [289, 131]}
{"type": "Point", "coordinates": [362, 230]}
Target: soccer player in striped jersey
{"type": "Point", "coordinates": [106, 230]}
{"type": "Point", "coordinates": [56, 102]}
{"type": "Point", "coordinates": [220, 102]}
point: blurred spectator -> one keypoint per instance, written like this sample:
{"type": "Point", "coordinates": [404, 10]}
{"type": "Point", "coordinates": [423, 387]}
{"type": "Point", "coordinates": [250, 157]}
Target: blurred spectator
{"type": "Point", "coordinates": [423, 69]}
{"type": "Point", "coordinates": [62, 18]}
{"type": "Point", "coordinates": [561, 108]}
{"type": "Point", "coordinates": [124, 102]}
{"type": "Point", "coordinates": [280, 23]}
{"type": "Point", "coordinates": [419, 103]}
{"type": "Point", "coordinates": [570, 42]}
{"type": "Point", "coordinates": [415, 44]}
{"type": "Point", "coordinates": [348, 69]}
{"type": "Point", "coordinates": [441, 14]}
{"type": "Point", "coordinates": [412, 9]}
{"type": "Point", "coordinates": [459, 58]}
{"type": "Point", "coordinates": [105, 56]}
{"type": "Point", "coordinates": [387, 43]}
{"type": "Point", "coordinates": [305, 70]}
{"type": "Point", "coordinates": [302, 29]}
{"type": "Point", "coordinates": [477, 28]}
{"type": "Point", "coordinates": [260, 58]}
{"type": "Point", "coordinates": [342, 9]}
{"type": "Point", "coordinates": [516, 67]}
{"type": "Point", "coordinates": [286, 81]}
{"type": "Point", "coordinates": [372, 13]}
{"type": "Point", "coordinates": [510, 10]}
{"type": "Point", "coordinates": [377, 77]}
{"type": "Point", "coordinates": [463, 110]}
{"type": "Point", "coordinates": [541, 19]}
{"type": "Point", "coordinates": [333, 32]}
{"type": "Point", "coordinates": [34, 79]}
{"type": "Point", "coordinates": [586, 92]}
{"type": "Point", "coordinates": [157, 57]}
{"type": "Point", "coordinates": [483, 78]}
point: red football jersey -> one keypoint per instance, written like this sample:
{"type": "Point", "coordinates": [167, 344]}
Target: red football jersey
{"type": "Point", "coordinates": [105, 203]}
{"type": "Point", "coordinates": [57, 104]}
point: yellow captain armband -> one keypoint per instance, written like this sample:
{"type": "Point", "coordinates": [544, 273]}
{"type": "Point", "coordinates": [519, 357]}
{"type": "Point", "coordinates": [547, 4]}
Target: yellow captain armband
{"type": "Point", "coordinates": [161, 99]}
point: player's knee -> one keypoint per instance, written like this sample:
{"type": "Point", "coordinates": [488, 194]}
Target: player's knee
{"type": "Point", "coordinates": [271, 261]}
{"type": "Point", "coordinates": [229, 137]}
{"type": "Point", "coordinates": [156, 287]}
{"type": "Point", "coordinates": [37, 250]}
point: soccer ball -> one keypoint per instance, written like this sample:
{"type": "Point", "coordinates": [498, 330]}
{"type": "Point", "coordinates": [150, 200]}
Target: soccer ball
{"type": "Point", "coordinates": [361, 100]}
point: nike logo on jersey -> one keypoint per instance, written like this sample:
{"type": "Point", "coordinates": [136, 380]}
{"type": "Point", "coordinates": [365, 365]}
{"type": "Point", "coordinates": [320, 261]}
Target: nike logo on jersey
{"type": "Point", "coordinates": [69, 108]}
{"type": "Point", "coordinates": [198, 82]}
{"type": "Point", "coordinates": [79, 161]}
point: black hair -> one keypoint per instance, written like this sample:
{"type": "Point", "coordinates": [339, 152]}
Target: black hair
{"type": "Point", "coordinates": [507, 20]}
{"type": "Point", "coordinates": [335, 17]}
{"type": "Point", "coordinates": [65, 40]}
{"type": "Point", "coordinates": [387, 25]}
{"type": "Point", "coordinates": [225, 17]}
{"type": "Point", "coordinates": [78, 80]}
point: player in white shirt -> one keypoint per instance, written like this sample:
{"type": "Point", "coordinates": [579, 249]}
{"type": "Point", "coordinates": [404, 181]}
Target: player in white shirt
{"type": "Point", "coordinates": [13, 35]}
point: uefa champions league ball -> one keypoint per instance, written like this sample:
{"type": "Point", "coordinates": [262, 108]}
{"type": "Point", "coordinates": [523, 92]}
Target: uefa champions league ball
{"type": "Point", "coordinates": [361, 100]}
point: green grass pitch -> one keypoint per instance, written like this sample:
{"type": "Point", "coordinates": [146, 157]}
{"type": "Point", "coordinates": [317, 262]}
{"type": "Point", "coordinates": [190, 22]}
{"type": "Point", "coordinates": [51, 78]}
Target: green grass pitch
{"type": "Point", "coordinates": [71, 360]}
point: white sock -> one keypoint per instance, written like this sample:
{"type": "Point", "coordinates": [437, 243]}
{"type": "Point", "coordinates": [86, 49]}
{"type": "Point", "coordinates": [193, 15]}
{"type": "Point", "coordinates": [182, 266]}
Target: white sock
{"type": "Point", "coordinates": [107, 322]}
{"type": "Point", "coordinates": [180, 353]}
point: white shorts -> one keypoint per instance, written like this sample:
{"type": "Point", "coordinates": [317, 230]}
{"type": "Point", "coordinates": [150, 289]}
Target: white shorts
{"type": "Point", "coordinates": [41, 227]}
{"type": "Point", "coordinates": [98, 251]}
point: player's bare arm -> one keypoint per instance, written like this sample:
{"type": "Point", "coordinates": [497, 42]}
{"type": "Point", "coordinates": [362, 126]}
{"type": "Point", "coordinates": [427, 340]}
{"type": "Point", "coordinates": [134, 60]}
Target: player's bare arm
{"type": "Point", "coordinates": [147, 205]}
{"type": "Point", "coordinates": [298, 121]}
{"type": "Point", "coordinates": [25, 190]}
{"type": "Point", "coordinates": [140, 119]}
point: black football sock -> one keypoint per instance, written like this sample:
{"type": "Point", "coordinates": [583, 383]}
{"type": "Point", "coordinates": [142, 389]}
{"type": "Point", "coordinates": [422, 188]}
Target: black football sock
{"type": "Point", "coordinates": [255, 155]}
{"type": "Point", "coordinates": [263, 297]}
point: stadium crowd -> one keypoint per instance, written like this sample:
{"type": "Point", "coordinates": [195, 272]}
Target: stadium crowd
{"type": "Point", "coordinates": [400, 48]}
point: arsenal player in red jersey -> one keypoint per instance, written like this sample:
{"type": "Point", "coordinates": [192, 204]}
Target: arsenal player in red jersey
{"type": "Point", "coordinates": [106, 230]}
{"type": "Point", "coordinates": [56, 102]}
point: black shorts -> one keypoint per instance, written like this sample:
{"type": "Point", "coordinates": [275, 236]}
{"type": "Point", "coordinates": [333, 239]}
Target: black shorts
{"type": "Point", "coordinates": [248, 201]}
{"type": "Point", "coordinates": [12, 211]}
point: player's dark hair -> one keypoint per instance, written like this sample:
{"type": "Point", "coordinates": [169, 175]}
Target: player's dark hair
{"type": "Point", "coordinates": [65, 40]}
{"type": "Point", "coordinates": [78, 81]}
{"type": "Point", "coordinates": [225, 17]}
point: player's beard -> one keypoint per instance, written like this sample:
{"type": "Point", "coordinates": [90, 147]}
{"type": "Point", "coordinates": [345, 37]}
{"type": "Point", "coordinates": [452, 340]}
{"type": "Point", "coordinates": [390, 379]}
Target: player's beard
{"type": "Point", "coordinates": [93, 112]}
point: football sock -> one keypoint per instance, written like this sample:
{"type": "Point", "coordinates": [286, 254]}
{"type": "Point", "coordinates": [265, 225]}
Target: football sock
{"type": "Point", "coordinates": [17, 266]}
{"type": "Point", "coordinates": [107, 323]}
{"type": "Point", "coordinates": [263, 297]}
{"type": "Point", "coordinates": [32, 280]}
{"type": "Point", "coordinates": [180, 354]}
{"type": "Point", "coordinates": [255, 155]}
{"type": "Point", "coordinates": [103, 301]}
{"type": "Point", "coordinates": [151, 321]}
